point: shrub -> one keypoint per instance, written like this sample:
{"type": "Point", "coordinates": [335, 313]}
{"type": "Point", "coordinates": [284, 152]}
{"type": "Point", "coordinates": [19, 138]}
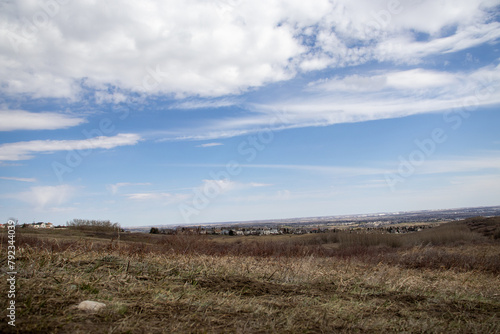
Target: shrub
{"type": "Point", "coordinates": [93, 225]}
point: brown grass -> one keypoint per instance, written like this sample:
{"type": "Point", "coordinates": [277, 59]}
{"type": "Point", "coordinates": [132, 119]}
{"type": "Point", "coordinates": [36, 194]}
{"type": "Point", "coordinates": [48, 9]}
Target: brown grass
{"type": "Point", "coordinates": [446, 281]}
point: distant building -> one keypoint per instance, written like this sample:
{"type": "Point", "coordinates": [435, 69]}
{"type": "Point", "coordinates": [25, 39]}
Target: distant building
{"type": "Point", "coordinates": [41, 225]}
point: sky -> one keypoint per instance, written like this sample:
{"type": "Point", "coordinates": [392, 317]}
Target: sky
{"type": "Point", "coordinates": [188, 112]}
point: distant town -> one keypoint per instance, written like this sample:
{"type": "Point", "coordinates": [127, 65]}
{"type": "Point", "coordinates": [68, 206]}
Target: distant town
{"type": "Point", "coordinates": [383, 221]}
{"type": "Point", "coordinates": [234, 230]}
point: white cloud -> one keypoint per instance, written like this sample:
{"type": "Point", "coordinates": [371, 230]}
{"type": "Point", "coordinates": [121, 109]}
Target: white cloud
{"type": "Point", "coordinates": [20, 179]}
{"type": "Point", "coordinates": [159, 44]}
{"type": "Point", "coordinates": [216, 48]}
{"type": "Point", "coordinates": [158, 197]}
{"type": "Point", "coordinates": [357, 98]}
{"type": "Point", "coordinates": [406, 49]}
{"type": "Point", "coordinates": [461, 165]}
{"type": "Point", "coordinates": [47, 197]}
{"type": "Point", "coordinates": [114, 188]}
{"type": "Point", "coordinates": [413, 80]}
{"type": "Point", "coordinates": [23, 120]}
{"type": "Point", "coordinates": [25, 150]}
{"type": "Point", "coordinates": [217, 186]}
{"type": "Point", "coordinates": [258, 185]}
{"type": "Point", "coordinates": [208, 190]}
{"type": "Point", "coordinates": [207, 133]}
{"type": "Point", "coordinates": [198, 104]}
{"type": "Point", "coordinates": [105, 97]}
{"type": "Point", "coordinates": [209, 145]}
{"type": "Point", "coordinates": [280, 195]}
{"type": "Point", "coordinates": [450, 165]}
{"type": "Point", "coordinates": [383, 31]}
{"type": "Point", "coordinates": [328, 170]}
{"type": "Point", "coordinates": [394, 94]}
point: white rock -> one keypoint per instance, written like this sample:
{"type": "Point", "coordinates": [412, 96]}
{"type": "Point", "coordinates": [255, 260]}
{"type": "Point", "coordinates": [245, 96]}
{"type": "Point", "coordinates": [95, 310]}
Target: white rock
{"type": "Point", "coordinates": [88, 305]}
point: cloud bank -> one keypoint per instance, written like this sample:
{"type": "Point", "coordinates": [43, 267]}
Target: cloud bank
{"type": "Point", "coordinates": [60, 49]}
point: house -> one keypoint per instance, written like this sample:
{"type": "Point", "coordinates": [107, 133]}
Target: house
{"type": "Point", "coordinates": [49, 225]}
{"type": "Point", "coordinates": [38, 225]}
{"type": "Point", "coordinates": [265, 231]}
{"type": "Point", "coordinates": [2, 226]}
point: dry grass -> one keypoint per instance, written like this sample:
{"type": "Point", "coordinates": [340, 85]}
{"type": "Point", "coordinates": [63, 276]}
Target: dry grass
{"type": "Point", "coordinates": [191, 284]}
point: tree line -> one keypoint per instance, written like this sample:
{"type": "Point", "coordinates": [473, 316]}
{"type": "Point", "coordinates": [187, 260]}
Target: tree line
{"type": "Point", "coordinates": [95, 225]}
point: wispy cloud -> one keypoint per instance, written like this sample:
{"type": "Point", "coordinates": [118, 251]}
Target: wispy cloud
{"type": "Point", "coordinates": [394, 94]}
{"type": "Point", "coordinates": [11, 120]}
{"type": "Point", "coordinates": [114, 188]}
{"type": "Point", "coordinates": [330, 170]}
{"type": "Point", "coordinates": [20, 179]}
{"type": "Point", "coordinates": [208, 186]}
{"type": "Point", "coordinates": [451, 165]}
{"type": "Point", "coordinates": [412, 80]}
{"type": "Point", "coordinates": [158, 197]}
{"type": "Point", "coordinates": [199, 103]}
{"type": "Point", "coordinates": [405, 49]}
{"type": "Point", "coordinates": [25, 150]}
{"type": "Point", "coordinates": [258, 185]}
{"type": "Point", "coordinates": [461, 164]}
{"type": "Point", "coordinates": [209, 145]}
{"type": "Point", "coordinates": [358, 98]}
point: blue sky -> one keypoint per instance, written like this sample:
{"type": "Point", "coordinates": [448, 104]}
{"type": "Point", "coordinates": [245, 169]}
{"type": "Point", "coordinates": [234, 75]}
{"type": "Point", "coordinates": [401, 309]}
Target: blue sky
{"type": "Point", "coordinates": [175, 112]}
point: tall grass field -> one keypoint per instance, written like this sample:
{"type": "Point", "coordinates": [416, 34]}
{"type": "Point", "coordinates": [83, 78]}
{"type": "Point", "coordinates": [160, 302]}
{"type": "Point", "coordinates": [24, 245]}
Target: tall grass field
{"type": "Point", "coordinates": [440, 280]}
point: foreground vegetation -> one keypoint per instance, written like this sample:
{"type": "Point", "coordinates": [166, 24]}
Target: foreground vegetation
{"type": "Point", "coordinates": [442, 280]}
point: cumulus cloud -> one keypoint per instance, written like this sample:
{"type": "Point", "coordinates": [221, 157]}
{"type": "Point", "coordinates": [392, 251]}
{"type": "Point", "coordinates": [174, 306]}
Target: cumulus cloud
{"type": "Point", "coordinates": [159, 44]}
{"type": "Point", "coordinates": [25, 150]}
{"type": "Point", "coordinates": [154, 47]}
{"type": "Point", "coordinates": [11, 120]}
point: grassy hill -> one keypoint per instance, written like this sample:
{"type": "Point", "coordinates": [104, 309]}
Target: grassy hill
{"type": "Point", "coordinates": [445, 279]}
